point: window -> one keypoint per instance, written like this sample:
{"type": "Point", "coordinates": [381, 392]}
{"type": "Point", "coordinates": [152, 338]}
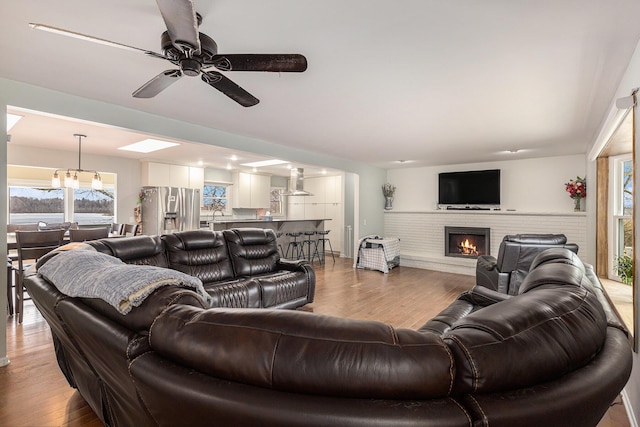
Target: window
{"type": "Point", "coordinates": [276, 206]}
{"type": "Point", "coordinates": [93, 206]}
{"type": "Point", "coordinates": [215, 198]}
{"type": "Point", "coordinates": [32, 199]}
{"type": "Point", "coordinates": [623, 207]}
{"type": "Point", "coordinates": [28, 205]}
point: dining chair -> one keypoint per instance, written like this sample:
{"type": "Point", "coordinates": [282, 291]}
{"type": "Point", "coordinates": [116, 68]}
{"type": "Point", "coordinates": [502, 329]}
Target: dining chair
{"type": "Point", "coordinates": [9, 286]}
{"type": "Point", "coordinates": [118, 229]}
{"type": "Point", "coordinates": [84, 234]}
{"type": "Point", "coordinates": [32, 245]}
{"type": "Point", "coordinates": [130, 228]}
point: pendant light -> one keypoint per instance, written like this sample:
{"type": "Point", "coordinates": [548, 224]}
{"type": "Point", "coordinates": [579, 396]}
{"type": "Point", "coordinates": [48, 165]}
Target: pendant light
{"type": "Point", "coordinates": [73, 181]}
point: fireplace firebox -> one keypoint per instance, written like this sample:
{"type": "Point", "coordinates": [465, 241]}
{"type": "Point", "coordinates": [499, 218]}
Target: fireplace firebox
{"type": "Point", "coordinates": [466, 242]}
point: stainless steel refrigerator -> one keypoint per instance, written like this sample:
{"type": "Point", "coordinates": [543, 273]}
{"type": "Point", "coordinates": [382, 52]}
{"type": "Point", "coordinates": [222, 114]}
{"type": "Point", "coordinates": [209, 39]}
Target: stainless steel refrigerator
{"type": "Point", "coordinates": [170, 209]}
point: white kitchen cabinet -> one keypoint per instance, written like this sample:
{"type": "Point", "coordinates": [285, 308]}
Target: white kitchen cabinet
{"type": "Point", "coordinates": [179, 176]}
{"type": "Point", "coordinates": [315, 186]}
{"type": "Point", "coordinates": [166, 175]}
{"type": "Point", "coordinates": [333, 189]}
{"type": "Point", "coordinates": [295, 210]}
{"type": "Point", "coordinates": [251, 191]}
{"type": "Point", "coordinates": [314, 211]}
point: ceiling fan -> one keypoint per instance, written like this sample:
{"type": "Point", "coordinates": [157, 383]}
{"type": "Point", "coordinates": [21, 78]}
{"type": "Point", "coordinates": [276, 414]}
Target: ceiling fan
{"type": "Point", "coordinates": [196, 53]}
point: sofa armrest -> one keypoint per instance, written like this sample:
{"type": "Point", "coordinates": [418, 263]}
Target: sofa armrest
{"type": "Point", "coordinates": [302, 266]}
{"type": "Point", "coordinates": [487, 272]}
{"type": "Point", "coordinates": [291, 264]}
{"type": "Point", "coordinates": [486, 262]}
{"type": "Point", "coordinates": [483, 297]}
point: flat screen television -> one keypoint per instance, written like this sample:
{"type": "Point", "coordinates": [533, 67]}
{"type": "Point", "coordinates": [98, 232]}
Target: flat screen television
{"type": "Point", "coordinates": [469, 188]}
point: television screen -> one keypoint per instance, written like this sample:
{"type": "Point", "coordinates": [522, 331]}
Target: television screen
{"type": "Point", "coordinates": [469, 188]}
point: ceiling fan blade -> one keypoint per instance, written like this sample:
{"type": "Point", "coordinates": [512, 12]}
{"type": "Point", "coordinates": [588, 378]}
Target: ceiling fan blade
{"type": "Point", "coordinates": [182, 23]}
{"type": "Point", "coordinates": [80, 36]}
{"type": "Point", "coordinates": [229, 88]}
{"type": "Point", "coordinates": [157, 84]}
{"type": "Point", "coordinates": [261, 62]}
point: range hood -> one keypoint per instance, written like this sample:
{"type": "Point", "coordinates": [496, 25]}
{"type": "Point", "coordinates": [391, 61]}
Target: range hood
{"type": "Point", "coordinates": [296, 184]}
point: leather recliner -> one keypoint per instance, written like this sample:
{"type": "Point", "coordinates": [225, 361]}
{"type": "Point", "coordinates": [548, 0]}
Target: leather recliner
{"type": "Point", "coordinates": [506, 272]}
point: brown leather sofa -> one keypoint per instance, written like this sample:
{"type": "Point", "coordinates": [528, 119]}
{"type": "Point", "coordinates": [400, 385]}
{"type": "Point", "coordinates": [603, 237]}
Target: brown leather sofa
{"type": "Point", "coordinates": [553, 355]}
{"type": "Point", "coordinates": [239, 268]}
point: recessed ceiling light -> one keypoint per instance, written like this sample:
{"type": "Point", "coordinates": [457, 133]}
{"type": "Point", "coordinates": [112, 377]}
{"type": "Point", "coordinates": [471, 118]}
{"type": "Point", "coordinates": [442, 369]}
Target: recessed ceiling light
{"type": "Point", "coordinates": [12, 119]}
{"type": "Point", "coordinates": [148, 146]}
{"type": "Point", "coordinates": [265, 163]}
{"type": "Point", "coordinates": [200, 163]}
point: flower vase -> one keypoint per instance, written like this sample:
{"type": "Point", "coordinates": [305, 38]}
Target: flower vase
{"type": "Point", "coordinates": [388, 203]}
{"type": "Point", "coordinates": [576, 204]}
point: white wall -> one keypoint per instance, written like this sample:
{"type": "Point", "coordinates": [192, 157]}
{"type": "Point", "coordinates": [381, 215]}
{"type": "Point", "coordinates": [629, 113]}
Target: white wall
{"type": "Point", "coordinates": [629, 81]}
{"type": "Point", "coordinates": [128, 172]}
{"type": "Point", "coordinates": [530, 185]}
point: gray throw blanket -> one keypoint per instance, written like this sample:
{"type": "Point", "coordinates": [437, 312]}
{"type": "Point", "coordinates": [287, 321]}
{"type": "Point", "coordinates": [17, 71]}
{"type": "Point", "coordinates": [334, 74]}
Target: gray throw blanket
{"type": "Point", "coordinates": [90, 274]}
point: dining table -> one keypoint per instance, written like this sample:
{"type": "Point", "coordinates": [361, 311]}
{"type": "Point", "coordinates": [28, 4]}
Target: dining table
{"type": "Point", "coordinates": [12, 244]}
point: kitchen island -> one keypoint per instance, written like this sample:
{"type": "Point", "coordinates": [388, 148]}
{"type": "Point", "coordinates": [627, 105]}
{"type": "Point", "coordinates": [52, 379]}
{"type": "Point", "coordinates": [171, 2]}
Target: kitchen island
{"type": "Point", "coordinates": [280, 226]}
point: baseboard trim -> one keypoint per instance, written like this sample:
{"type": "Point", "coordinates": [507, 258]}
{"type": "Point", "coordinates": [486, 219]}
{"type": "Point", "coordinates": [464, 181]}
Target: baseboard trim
{"type": "Point", "coordinates": [628, 407]}
{"type": "Point", "coordinates": [444, 264]}
{"type": "Point", "coordinates": [4, 361]}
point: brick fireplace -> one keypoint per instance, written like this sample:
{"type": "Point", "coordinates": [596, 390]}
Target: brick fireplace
{"type": "Point", "coordinates": [466, 242]}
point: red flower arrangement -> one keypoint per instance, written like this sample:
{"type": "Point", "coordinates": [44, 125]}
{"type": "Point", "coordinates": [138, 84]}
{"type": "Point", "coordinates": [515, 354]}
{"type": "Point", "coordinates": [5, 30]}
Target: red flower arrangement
{"type": "Point", "coordinates": [577, 188]}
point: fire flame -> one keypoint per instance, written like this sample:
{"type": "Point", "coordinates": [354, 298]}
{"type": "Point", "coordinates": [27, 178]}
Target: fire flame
{"type": "Point", "coordinates": [468, 248]}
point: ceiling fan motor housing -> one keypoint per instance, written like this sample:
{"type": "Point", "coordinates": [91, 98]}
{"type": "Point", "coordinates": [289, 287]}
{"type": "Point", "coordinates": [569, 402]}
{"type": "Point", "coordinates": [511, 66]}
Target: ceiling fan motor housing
{"type": "Point", "coordinates": [189, 60]}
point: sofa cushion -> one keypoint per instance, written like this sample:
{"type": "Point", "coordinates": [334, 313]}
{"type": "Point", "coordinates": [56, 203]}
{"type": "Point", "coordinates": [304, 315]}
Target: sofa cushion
{"type": "Point", "coordinates": [235, 293]}
{"type": "Point", "coordinates": [139, 250]}
{"type": "Point", "coordinates": [301, 352]}
{"type": "Point", "coordinates": [253, 251]}
{"type": "Point", "coordinates": [199, 253]}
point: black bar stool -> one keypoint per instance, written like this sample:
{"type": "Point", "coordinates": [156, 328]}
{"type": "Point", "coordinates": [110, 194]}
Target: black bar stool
{"type": "Point", "coordinates": [310, 245]}
{"type": "Point", "coordinates": [278, 236]}
{"type": "Point", "coordinates": [322, 237]}
{"type": "Point", "coordinates": [295, 246]}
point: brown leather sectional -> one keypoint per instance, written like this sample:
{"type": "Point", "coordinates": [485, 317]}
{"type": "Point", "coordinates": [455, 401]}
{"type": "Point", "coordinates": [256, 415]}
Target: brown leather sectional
{"type": "Point", "coordinates": [554, 355]}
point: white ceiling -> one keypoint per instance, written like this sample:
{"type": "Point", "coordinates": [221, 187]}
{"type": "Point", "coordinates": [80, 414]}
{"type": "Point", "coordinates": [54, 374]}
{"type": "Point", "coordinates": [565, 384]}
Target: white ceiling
{"type": "Point", "coordinates": [427, 81]}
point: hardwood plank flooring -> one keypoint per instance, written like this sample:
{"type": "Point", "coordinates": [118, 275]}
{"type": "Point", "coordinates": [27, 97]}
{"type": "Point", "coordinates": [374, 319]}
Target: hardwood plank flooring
{"type": "Point", "coordinates": [34, 393]}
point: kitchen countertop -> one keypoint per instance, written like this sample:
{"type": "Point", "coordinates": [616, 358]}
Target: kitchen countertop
{"type": "Point", "coordinates": [233, 221]}
{"type": "Point", "coordinates": [278, 224]}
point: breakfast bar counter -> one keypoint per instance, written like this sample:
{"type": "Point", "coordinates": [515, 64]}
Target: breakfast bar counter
{"type": "Point", "coordinates": [280, 226]}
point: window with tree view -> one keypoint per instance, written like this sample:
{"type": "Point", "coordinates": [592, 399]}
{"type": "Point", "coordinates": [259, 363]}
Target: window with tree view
{"type": "Point", "coordinates": [93, 206]}
{"type": "Point", "coordinates": [624, 221]}
{"type": "Point", "coordinates": [28, 205]}
{"type": "Point", "coordinates": [215, 197]}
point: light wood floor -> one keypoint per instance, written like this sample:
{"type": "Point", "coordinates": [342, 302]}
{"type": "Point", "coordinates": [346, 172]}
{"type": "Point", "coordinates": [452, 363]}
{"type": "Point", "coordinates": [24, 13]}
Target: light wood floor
{"type": "Point", "coordinates": [34, 393]}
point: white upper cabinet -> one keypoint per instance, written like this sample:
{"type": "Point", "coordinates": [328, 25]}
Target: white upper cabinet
{"type": "Point", "coordinates": [166, 175]}
{"type": "Point", "coordinates": [251, 191]}
{"type": "Point", "coordinates": [315, 186]}
{"type": "Point", "coordinates": [333, 189]}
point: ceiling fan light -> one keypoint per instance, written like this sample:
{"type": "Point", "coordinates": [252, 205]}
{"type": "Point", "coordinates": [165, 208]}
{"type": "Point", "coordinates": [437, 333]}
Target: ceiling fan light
{"type": "Point", "coordinates": [75, 183]}
{"type": "Point", "coordinates": [55, 180]}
